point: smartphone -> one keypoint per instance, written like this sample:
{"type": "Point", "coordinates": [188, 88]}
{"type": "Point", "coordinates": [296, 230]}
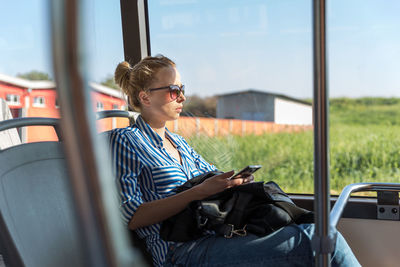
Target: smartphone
{"type": "Point", "coordinates": [248, 170]}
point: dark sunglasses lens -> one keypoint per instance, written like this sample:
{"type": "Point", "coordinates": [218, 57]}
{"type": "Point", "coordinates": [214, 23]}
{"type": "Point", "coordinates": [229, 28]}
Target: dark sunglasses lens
{"type": "Point", "coordinates": [176, 91]}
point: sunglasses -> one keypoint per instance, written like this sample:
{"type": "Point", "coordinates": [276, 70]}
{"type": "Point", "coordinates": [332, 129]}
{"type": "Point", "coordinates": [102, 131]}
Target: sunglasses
{"type": "Point", "coordinates": [175, 91]}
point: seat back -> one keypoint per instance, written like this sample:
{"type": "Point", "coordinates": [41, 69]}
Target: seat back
{"type": "Point", "coordinates": [137, 242]}
{"type": "Point", "coordinates": [37, 220]}
{"type": "Point", "coordinates": [36, 207]}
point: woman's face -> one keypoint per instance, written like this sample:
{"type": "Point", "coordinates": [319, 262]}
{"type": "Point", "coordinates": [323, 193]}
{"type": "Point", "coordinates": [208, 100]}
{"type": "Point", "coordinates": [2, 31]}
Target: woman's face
{"type": "Point", "coordinates": [161, 105]}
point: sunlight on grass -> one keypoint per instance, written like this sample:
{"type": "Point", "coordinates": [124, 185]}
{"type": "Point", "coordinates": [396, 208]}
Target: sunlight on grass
{"type": "Point", "coordinates": [364, 147]}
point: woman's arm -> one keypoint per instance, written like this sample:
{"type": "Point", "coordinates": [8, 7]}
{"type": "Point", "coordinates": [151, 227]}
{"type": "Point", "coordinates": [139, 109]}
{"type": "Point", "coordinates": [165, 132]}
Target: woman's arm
{"type": "Point", "coordinates": [156, 211]}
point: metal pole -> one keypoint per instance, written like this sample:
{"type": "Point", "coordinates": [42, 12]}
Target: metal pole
{"type": "Point", "coordinates": [323, 241]}
{"type": "Point", "coordinates": [135, 30]}
{"type": "Point", "coordinates": [104, 239]}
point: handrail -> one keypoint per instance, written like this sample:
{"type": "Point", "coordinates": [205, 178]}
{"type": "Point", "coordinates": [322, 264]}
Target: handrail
{"type": "Point", "coordinates": [115, 113]}
{"type": "Point", "coordinates": [31, 121]}
{"type": "Point", "coordinates": [55, 122]}
{"type": "Point", "coordinates": [341, 202]}
{"type": "Point", "coordinates": [28, 121]}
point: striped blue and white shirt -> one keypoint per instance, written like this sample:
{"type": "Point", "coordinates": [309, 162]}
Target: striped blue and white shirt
{"type": "Point", "coordinates": [145, 172]}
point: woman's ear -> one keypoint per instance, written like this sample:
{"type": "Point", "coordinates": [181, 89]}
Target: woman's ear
{"type": "Point", "coordinates": [144, 98]}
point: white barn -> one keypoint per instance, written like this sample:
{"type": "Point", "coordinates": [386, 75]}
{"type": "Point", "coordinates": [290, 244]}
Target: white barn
{"type": "Point", "coordinates": [264, 106]}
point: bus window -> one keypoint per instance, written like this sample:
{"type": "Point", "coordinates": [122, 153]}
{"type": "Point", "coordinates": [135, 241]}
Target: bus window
{"type": "Point", "coordinates": [363, 49]}
{"type": "Point", "coordinates": [26, 79]}
{"type": "Point", "coordinates": [247, 70]}
{"type": "Point", "coordinates": [105, 50]}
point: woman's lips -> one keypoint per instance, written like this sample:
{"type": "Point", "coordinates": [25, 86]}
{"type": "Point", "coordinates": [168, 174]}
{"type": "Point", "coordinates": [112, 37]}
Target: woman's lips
{"type": "Point", "coordinates": [179, 109]}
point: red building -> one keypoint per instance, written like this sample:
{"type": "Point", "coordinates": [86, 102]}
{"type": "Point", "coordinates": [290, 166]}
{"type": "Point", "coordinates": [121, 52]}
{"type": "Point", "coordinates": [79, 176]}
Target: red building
{"type": "Point", "coordinates": [39, 99]}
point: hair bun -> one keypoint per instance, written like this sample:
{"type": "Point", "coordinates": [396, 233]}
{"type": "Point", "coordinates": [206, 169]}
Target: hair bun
{"type": "Point", "coordinates": [122, 74]}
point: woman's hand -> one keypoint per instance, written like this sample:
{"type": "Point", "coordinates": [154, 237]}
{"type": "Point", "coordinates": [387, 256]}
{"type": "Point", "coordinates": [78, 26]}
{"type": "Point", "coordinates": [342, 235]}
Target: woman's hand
{"type": "Point", "coordinates": [158, 210]}
{"type": "Point", "coordinates": [247, 177]}
{"type": "Point", "coordinates": [221, 182]}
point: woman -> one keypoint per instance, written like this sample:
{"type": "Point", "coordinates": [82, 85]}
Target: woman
{"type": "Point", "coordinates": [150, 161]}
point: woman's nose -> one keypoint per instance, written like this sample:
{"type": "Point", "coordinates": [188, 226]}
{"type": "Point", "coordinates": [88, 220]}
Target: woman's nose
{"type": "Point", "coordinates": [181, 98]}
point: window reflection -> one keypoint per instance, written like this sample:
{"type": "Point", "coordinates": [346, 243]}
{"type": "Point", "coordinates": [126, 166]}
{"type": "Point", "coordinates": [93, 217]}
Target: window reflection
{"type": "Point", "coordinates": [247, 69]}
{"type": "Point", "coordinates": [233, 55]}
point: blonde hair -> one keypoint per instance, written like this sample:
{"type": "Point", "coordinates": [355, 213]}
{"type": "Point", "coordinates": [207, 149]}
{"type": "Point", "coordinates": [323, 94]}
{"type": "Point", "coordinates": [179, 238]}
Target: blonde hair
{"type": "Point", "coordinates": [133, 80]}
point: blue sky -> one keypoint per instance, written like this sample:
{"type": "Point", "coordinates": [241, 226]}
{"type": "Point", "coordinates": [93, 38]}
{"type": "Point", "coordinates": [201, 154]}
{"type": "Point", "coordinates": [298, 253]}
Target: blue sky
{"type": "Point", "coordinates": [225, 45]}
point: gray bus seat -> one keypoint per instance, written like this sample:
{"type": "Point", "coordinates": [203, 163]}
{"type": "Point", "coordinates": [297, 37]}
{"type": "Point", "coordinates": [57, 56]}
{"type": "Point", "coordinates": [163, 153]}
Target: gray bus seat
{"type": "Point", "coordinates": [37, 221]}
{"type": "Point", "coordinates": [36, 207]}
{"type": "Point", "coordinates": [106, 136]}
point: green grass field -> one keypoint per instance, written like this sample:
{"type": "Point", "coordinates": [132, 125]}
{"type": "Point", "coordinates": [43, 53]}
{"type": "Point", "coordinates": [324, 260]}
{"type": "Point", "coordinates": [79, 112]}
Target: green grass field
{"type": "Point", "coordinates": [364, 147]}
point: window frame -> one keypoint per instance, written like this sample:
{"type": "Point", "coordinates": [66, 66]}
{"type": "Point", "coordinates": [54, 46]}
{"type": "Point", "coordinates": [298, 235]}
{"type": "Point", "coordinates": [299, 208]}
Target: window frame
{"type": "Point", "coordinates": [15, 101]}
{"type": "Point", "coordinates": [99, 106]}
{"type": "Point", "coordinates": [40, 104]}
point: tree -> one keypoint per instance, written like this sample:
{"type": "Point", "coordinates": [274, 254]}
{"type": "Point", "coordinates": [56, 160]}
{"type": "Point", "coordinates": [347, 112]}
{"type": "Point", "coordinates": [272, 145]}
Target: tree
{"type": "Point", "coordinates": [35, 75]}
{"type": "Point", "coordinates": [109, 82]}
{"type": "Point", "coordinates": [200, 107]}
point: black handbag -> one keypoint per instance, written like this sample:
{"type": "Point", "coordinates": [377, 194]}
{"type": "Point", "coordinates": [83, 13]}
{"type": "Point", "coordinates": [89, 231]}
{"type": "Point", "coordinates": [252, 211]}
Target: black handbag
{"type": "Point", "coordinates": [259, 208]}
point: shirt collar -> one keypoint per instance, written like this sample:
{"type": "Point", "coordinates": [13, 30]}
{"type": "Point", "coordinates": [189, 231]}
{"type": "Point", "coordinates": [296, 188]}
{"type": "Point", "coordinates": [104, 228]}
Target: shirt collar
{"type": "Point", "coordinates": [172, 138]}
{"type": "Point", "coordinates": [152, 136]}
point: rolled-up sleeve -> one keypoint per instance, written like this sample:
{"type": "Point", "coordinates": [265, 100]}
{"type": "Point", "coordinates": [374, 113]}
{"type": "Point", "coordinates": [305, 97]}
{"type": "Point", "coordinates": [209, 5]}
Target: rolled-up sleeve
{"type": "Point", "coordinates": [127, 168]}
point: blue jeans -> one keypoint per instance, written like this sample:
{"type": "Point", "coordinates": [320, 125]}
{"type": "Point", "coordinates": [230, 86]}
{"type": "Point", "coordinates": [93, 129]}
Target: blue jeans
{"type": "Point", "coordinates": [289, 246]}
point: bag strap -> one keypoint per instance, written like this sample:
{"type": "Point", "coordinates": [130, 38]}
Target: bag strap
{"type": "Point", "coordinates": [282, 200]}
{"type": "Point", "coordinates": [298, 215]}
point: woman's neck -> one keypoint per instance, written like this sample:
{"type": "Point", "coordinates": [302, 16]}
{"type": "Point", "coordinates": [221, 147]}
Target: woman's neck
{"type": "Point", "coordinates": [156, 125]}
